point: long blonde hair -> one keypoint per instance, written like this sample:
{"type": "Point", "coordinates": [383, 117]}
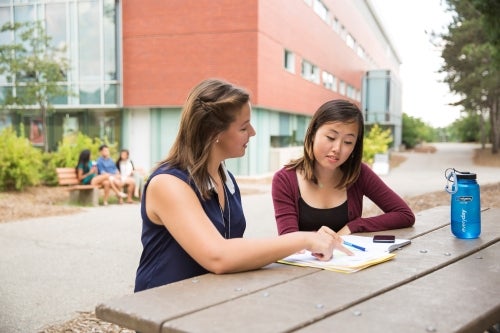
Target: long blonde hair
{"type": "Point", "coordinates": [210, 108]}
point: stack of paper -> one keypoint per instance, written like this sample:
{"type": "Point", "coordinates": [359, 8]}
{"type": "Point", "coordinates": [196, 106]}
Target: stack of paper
{"type": "Point", "coordinates": [374, 253]}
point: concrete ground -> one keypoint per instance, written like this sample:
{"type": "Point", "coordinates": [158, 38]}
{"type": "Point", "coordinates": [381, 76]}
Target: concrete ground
{"type": "Point", "coordinates": [53, 267]}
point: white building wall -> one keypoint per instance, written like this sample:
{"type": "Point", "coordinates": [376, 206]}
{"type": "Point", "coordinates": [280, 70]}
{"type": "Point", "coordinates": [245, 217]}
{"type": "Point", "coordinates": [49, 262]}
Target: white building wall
{"type": "Point", "coordinates": [137, 137]}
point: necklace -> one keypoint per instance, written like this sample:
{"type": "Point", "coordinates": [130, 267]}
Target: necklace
{"type": "Point", "coordinates": [227, 227]}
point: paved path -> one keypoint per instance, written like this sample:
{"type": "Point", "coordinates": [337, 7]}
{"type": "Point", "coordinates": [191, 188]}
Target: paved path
{"type": "Point", "coordinates": [424, 173]}
{"type": "Point", "coordinates": [51, 268]}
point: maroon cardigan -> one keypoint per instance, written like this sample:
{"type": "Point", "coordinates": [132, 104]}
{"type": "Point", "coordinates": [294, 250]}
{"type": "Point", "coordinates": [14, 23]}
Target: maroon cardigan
{"type": "Point", "coordinates": [397, 214]}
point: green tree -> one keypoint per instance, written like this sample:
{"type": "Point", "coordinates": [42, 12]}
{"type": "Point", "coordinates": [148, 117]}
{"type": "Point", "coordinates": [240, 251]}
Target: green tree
{"type": "Point", "coordinates": [490, 22]}
{"type": "Point", "coordinates": [415, 131]}
{"type": "Point", "coordinates": [470, 69]}
{"type": "Point", "coordinates": [35, 68]}
{"type": "Point", "coordinates": [466, 129]}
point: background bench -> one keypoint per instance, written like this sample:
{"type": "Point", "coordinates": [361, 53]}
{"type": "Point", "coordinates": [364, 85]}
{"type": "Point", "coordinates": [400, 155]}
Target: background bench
{"type": "Point", "coordinates": [87, 195]}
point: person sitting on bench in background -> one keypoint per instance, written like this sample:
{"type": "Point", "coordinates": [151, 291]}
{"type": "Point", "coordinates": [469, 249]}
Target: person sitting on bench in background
{"type": "Point", "coordinates": [130, 174]}
{"type": "Point", "coordinates": [87, 174]}
{"type": "Point", "coordinates": [106, 166]}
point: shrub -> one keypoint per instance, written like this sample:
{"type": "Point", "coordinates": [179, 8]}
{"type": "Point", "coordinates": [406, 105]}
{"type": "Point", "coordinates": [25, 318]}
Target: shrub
{"type": "Point", "coordinates": [20, 164]}
{"type": "Point", "coordinates": [376, 141]}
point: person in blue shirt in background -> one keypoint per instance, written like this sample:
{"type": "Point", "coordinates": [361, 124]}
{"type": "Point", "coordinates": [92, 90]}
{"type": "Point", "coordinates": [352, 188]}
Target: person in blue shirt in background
{"type": "Point", "coordinates": [106, 166]}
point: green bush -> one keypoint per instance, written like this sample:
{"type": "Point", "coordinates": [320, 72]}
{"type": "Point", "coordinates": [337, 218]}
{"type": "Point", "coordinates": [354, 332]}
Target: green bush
{"type": "Point", "coordinates": [23, 165]}
{"type": "Point", "coordinates": [376, 141]}
{"type": "Point", "coordinates": [20, 162]}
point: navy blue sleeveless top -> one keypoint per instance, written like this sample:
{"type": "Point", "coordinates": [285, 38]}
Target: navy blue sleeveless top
{"type": "Point", "coordinates": [163, 260]}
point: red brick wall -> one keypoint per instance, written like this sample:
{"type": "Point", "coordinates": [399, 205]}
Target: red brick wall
{"type": "Point", "coordinates": [169, 46]}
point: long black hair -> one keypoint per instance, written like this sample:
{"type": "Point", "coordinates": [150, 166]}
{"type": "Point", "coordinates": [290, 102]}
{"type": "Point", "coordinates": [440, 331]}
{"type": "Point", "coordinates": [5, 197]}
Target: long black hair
{"type": "Point", "coordinates": [83, 160]}
{"type": "Point", "coordinates": [337, 110]}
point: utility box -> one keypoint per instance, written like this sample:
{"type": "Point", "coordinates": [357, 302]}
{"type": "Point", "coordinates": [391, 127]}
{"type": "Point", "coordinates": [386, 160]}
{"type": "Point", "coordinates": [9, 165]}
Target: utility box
{"type": "Point", "coordinates": [381, 164]}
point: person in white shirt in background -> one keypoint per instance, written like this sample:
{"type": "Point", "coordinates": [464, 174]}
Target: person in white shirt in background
{"type": "Point", "coordinates": [131, 176]}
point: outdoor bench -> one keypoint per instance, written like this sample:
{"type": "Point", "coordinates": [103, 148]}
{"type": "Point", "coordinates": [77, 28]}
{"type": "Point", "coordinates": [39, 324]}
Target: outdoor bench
{"type": "Point", "coordinates": [87, 195]}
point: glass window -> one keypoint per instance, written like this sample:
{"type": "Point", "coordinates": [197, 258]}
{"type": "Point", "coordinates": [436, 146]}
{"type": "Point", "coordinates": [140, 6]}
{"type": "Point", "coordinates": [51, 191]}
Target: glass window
{"type": "Point", "coordinates": [90, 94]}
{"type": "Point", "coordinates": [89, 41]}
{"type": "Point", "coordinates": [55, 18]}
{"type": "Point", "coordinates": [343, 32]}
{"type": "Point", "coordinates": [110, 41]}
{"type": "Point", "coordinates": [342, 87]}
{"type": "Point", "coordinates": [289, 61]}
{"type": "Point", "coordinates": [5, 37]}
{"type": "Point", "coordinates": [4, 93]}
{"type": "Point", "coordinates": [5, 120]}
{"type": "Point", "coordinates": [70, 125]}
{"type": "Point", "coordinates": [320, 9]}
{"type": "Point", "coordinates": [4, 18]}
{"type": "Point", "coordinates": [351, 92]}
{"type": "Point", "coordinates": [59, 100]}
{"type": "Point", "coordinates": [329, 81]}
{"type": "Point", "coordinates": [23, 93]}
{"type": "Point", "coordinates": [334, 83]}
{"type": "Point", "coordinates": [56, 28]}
{"type": "Point", "coordinates": [107, 128]}
{"type": "Point", "coordinates": [325, 77]}
{"type": "Point", "coordinates": [110, 94]}
{"type": "Point", "coordinates": [310, 72]}
{"type": "Point", "coordinates": [336, 25]}
{"type": "Point", "coordinates": [361, 52]}
{"type": "Point", "coordinates": [24, 13]}
{"type": "Point", "coordinates": [350, 41]}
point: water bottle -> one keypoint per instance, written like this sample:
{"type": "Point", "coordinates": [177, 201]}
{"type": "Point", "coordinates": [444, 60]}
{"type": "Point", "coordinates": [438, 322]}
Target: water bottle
{"type": "Point", "coordinates": [465, 203]}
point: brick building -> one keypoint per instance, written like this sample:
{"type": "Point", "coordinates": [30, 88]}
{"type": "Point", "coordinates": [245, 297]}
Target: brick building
{"type": "Point", "coordinates": [292, 55]}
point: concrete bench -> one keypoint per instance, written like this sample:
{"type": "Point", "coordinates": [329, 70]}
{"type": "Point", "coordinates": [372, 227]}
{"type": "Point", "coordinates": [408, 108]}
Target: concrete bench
{"type": "Point", "coordinates": [86, 195]}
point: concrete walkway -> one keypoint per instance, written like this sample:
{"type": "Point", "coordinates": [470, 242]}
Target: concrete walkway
{"type": "Point", "coordinates": [51, 268]}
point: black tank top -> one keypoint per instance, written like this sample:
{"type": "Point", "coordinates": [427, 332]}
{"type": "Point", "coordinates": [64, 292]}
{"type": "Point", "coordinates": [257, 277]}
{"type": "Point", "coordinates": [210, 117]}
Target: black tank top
{"type": "Point", "coordinates": [311, 219]}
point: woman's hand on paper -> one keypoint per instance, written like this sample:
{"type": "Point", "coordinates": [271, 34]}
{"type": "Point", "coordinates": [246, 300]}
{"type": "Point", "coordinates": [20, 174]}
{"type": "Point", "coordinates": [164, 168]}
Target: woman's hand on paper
{"type": "Point", "coordinates": [335, 241]}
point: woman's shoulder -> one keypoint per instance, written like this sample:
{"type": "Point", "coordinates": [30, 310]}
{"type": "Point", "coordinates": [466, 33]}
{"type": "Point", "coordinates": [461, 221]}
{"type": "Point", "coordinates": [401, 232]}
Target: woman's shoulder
{"type": "Point", "coordinates": [285, 172]}
{"type": "Point", "coordinates": [366, 176]}
{"type": "Point", "coordinates": [366, 170]}
{"type": "Point", "coordinates": [285, 177]}
{"type": "Point", "coordinates": [170, 170]}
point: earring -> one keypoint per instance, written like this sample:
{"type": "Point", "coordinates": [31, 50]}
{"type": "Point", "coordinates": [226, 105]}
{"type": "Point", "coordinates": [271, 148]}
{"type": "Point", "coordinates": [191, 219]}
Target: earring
{"type": "Point", "coordinates": [217, 141]}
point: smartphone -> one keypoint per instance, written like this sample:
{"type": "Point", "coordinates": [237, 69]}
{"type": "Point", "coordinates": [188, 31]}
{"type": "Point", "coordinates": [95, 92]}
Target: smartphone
{"type": "Point", "coordinates": [384, 239]}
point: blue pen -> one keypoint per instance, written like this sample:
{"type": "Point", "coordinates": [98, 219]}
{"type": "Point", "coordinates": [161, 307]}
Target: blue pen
{"type": "Point", "coordinates": [354, 246]}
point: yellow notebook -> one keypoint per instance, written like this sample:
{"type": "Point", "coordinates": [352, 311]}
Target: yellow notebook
{"type": "Point", "coordinates": [341, 262]}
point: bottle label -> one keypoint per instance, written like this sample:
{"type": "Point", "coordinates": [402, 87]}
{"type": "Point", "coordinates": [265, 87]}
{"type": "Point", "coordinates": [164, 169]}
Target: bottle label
{"type": "Point", "coordinates": [464, 219]}
{"type": "Point", "coordinates": [467, 198]}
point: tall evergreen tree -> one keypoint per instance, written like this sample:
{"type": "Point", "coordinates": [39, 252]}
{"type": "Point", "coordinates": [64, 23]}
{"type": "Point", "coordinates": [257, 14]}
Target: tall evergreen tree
{"type": "Point", "coordinates": [469, 65]}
